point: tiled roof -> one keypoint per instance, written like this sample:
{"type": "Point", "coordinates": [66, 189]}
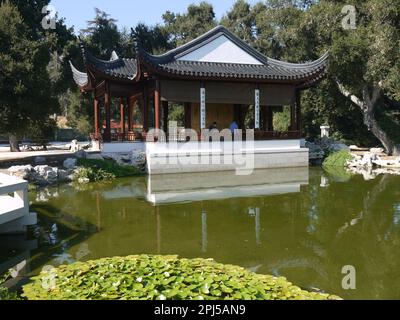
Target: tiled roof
{"type": "Point", "coordinates": [169, 64]}
{"type": "Point", "coordinates": [273, 70]}
{"type": "Point", "coordinates": [81, 78]}
{"type": "Point", "coordinates": [118, 67]}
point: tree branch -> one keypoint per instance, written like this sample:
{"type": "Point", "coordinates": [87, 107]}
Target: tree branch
{"type": "Point", "coordinates": [350, 96]}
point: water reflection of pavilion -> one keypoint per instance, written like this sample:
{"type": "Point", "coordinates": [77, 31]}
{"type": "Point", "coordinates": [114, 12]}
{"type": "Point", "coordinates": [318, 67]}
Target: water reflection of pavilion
{"type": "Point", "coordinates": [164, 189]}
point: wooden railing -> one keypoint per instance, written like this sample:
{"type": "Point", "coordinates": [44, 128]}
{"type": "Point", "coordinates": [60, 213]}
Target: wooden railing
{"type": "Point", "coordinates": [140, 137]}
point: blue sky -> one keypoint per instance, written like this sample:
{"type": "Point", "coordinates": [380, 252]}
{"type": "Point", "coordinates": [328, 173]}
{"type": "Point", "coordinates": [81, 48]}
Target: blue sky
{"type": "Point", "coordinates": [129, 12]}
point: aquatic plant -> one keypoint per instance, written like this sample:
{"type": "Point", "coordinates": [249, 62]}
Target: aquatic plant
{"type": "Point", "coordinates": [337, 159]}
{"type": "Point", "coordinates": [109, 167]}
{"type": "Point", "coordinates": [161, 278]}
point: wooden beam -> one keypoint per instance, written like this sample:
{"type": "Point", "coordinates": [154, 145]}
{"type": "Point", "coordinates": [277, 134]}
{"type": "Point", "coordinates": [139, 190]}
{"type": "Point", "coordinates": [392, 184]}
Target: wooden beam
{"type": "Point", "coordinates": [293, 125]}
{"type": "Point", "coordinates": [270, 118]}
{"type": "Point", "coordinates": [188, 115]}
{"type": "Point", "coordinates": [130, 114]}
{"type": "Point", "coordinates": [96, 117]}
{"type": "Point", "coordinates": [298, 110]}
{"type": "Point", "coordinates": [145, 108]}
{"type": "Point", "coordinates": [165, 108]}
{"type": "Point", "coordinates": [107, 133]}
{"type": "Point", "coordinates": [264, 116]}
{"type": "Point", "coordinates": [157, 102]}
{"type": "Point", "coordinates": [122, 112]}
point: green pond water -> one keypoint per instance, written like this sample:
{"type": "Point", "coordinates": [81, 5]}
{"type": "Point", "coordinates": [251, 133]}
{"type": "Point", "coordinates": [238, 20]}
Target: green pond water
{"type": "Point", "coordinates": [304, 224]}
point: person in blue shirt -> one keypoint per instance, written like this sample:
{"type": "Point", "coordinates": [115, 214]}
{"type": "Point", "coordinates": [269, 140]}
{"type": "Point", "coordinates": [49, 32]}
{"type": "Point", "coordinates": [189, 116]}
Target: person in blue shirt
{"type": "Point", "coordinates": [234, 126]}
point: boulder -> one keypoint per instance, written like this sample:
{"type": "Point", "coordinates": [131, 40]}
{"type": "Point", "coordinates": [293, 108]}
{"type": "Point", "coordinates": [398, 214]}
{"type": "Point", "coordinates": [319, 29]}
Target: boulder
{"type": "Point", "coordinates": [22, 172]}
{"type": "Point", "coordinates": [64, 176]}
{"type": "Point", "coordinates": [94, 156]}
{"type": "Point", "coordinates": [335, 147]}
{"type": "Point", "coordinates": [377, 150]}
{"type": "Point", "coordinates": [45, 175]}
{"type": "Point", "coordinates": [368, 160]}
{"type": "Point", "coordinates": [40, 161]}
{"type": "Point", "coordinates": [81, 154]}
{"type": "Point", "coordinates": [70, 163]}
{"type": "Point", "coordinates": [138, 158]}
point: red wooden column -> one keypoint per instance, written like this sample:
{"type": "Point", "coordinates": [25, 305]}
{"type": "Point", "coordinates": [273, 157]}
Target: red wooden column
{"type": "Point", "coordinates": [122, 111]}
{"type": "Point", "coordinates": [293, 125]}
{"type": "Point", "coordinates": [157, 102]}
{"type": "Point", "coordinates": [145, 107]}
{"type": "Point", "coordinates": [96, 117]}
{"type": "Point", "coordinates": [107, 134]}
{"type": "Point", "coordinates": [298, 111]}
{"type": "Point", "coordinates": [165, 108]}
{"type": "Point", "coordinates": [130, 104]}
{"type": "Point", "coordinates": [188, 115]}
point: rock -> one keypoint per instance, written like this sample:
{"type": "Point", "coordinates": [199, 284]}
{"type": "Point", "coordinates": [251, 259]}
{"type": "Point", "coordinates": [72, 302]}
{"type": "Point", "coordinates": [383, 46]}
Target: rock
{"type": "Point", "coordinates": [94, 156]}
{"type": "Point", "coordinates": [368, 160]}
{"type": "Point", "coordinates": [45, 175]}
{"type": "Point", "coordinates": [138, 158]}
{"type": "Point", "coordinates": [316, 151]}
{"type": "Point", "coordinates": [335, 147]}
{"type": "Point", "coordinates": [64, 176]}
{"type": "Point", "coordinates": [40, 161]}
{"type": "Point", "coordinates": [81, 154]}
{"type": "Point", "coordinates": [70, 163]}
{"type": "Point", "coordinates": [126, 159]}
{"type": "Point", "coordinates": [377, 150]}
{"type": "Point", "coordinates": [22, 172]}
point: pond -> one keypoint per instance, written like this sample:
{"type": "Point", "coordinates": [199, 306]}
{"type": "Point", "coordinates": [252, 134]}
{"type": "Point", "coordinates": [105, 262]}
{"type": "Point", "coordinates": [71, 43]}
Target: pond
{"type": "Point", "coordinates": [304, 224]}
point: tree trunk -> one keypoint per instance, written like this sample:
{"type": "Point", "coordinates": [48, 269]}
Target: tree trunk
{"type": "Point", "coordinates": [14, 145]}
{"type": "Point", "coordinates": [373, 126]}
{"type": "Point", "coordinates": [367, 106]}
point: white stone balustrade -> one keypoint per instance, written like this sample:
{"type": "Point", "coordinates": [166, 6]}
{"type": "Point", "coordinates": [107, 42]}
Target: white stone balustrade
{"type": "Point", "coordinates": [14, 205]}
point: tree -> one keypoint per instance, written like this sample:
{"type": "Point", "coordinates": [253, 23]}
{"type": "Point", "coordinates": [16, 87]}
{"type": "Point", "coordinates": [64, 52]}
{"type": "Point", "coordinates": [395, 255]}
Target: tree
{"type": "Point", "coordinates": [26, 95]}
{"type": "Point", "coordinates": [365, 60]}
{"type": "Point", "coordinates": [185, 27]}
{"type": "Point", "coordinates": [102, 35]}
{"type": "Point", "coordinates": [241, 21]}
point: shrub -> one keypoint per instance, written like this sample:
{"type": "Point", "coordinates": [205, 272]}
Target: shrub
{"type": "Point", "coordinates": [5, 294]}
{"type": "Point", "coordinates": [92, 174]}
{"type": "Point", "coordinates": [337, 159]}
{"type": "Point", "coordinates": [110, 167]}
{"type": "Point", "coordinates": [161, 278]}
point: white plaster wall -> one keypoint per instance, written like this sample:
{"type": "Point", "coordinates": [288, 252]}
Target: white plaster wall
{"type": "Point", "coordinates": [123, 147]}
{"type": "Point", "coordinates": [221, 50]}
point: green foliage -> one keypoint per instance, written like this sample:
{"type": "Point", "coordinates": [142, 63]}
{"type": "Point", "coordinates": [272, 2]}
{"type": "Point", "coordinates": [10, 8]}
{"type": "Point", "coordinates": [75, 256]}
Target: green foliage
{"type": "Point", "coordinates": [5, 294]}
{"type": "Point", "coordinates": [282, 120]}
{"type": "Point", "coordinates": [109, 167]}
{"type": "Point", "coordinates": [182, 28]}
{"type": "Point", "coordinates": [28, 79]}
{"type": "Point", "coordinates": [337, 159]}
{"type": "Point", "coordinates": [161, 278]}
{"type": "Point", "coordinates": [92, 175]}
